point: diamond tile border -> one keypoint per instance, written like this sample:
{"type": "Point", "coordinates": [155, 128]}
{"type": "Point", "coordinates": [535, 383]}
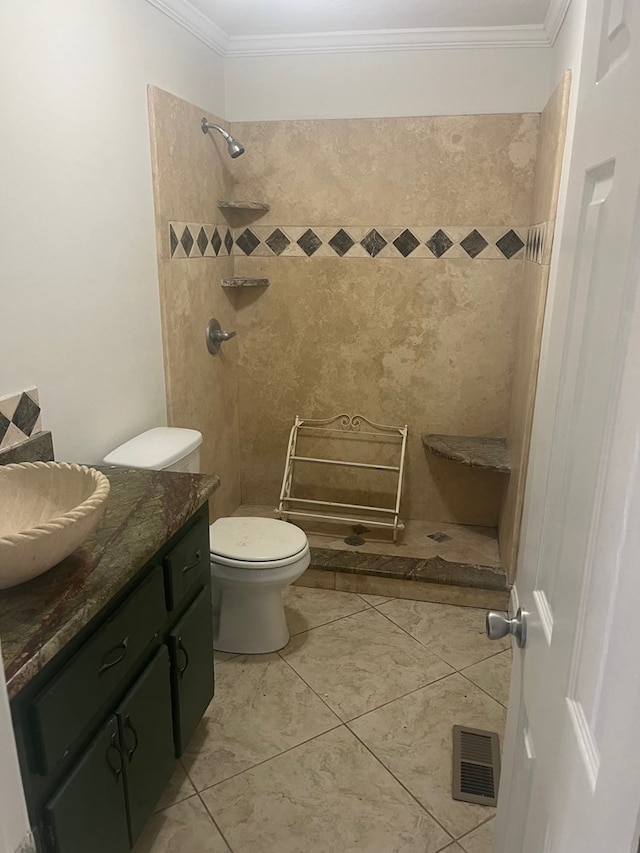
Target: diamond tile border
{"type": "Point", "coordinates": [426, 242]}
{"type": "Point", "coordinates": [20, 417]}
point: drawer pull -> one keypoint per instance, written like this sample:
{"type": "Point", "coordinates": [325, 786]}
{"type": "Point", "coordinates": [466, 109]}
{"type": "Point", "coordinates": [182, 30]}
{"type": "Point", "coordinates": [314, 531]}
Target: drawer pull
{"type": "Point", "coordinates": [114, 656]}
{"type": "Point", "coordinates": [181, 648]}
{"type": "Point", "coordinates": [128, 727]}
{"type": "Point", "coordinates": [114, 750]}
{"type": "Point", "coordinates": [193, 565]}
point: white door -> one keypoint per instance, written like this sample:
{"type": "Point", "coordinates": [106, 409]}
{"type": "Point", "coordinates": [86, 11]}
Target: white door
{"type": "Point", "coordinates": [571, 767]}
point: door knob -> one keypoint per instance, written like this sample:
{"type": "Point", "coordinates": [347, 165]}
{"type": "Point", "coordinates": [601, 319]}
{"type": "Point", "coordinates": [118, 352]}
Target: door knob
{"type": "Point", "coordinates": [215, 336]}
{"type": "Point", "coordinates": [498, 626]}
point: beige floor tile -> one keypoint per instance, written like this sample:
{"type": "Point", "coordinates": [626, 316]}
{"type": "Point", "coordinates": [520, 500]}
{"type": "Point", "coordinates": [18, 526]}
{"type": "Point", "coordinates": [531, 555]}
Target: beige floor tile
{"type": "Point", "coordinates": [261, 707]}
{"type": "Point", "coordinates": [309, 608]}
{"type": "Point", "coordinates": [327, 795]}
{"type": "Point", "coordinates": [185, 827]}
{"type": "Point", "coordinates": [179, 788]}
{"type": "Point", "coordinates": [480, 840]}
{"type": "Point", "coordinates": [361, 662]}
{"type": "Point", "coordinates": [453, 848]}
{"type": "Point", "coordinates": [456, 634]}
{"type": "Point", "coordinates": [375, 599]}
{"type": "Point", "coordinates": [493, 675]}
{"type": "Point", "coordinates": [441, 593]}
{"type": "Point", "coordinates": [412, 737]}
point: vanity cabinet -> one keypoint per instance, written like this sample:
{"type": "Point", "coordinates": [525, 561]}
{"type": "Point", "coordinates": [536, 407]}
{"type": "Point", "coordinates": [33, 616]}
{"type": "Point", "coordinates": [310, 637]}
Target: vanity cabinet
{"type": "Point", "coordinates": [98, 730]}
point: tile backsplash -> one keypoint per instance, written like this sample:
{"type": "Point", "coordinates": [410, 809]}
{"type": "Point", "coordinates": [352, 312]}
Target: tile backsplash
{"type": "Point", "coordinates": [20, 417]}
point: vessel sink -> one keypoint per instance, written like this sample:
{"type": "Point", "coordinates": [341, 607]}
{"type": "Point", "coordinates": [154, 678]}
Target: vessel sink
{"type": "Point", "coordinates": [47, 510]}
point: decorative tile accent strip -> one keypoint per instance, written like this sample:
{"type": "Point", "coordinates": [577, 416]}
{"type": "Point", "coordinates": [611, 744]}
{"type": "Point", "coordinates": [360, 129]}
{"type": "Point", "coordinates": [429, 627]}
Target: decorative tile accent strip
{"type": "Point", "coordinates": [490, 242]}
{"type": "Point", "coordinates": [195, 240]}
{"type": "Point", "coordinates": [539, 241]}
{"type": "Point", "coordinates": [20, 417]}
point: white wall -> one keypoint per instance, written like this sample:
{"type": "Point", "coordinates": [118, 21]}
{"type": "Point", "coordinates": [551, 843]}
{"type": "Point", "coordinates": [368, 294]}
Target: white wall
{"type": "Point", "coordinates": [79, 308]}
{"type": "Point", "coordinates": [393, 83]}
{"type": "Point", "coordinates": [566, 50]}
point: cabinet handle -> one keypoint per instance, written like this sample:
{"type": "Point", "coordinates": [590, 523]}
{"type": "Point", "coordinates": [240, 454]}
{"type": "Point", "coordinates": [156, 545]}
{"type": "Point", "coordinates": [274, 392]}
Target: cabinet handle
{"type": "Point", "coordinates": [128, 726]}
{"type": "Point", "coordinates": [114, 748]}
{"type": "Point", "coordinates": [192, 565]}
{"type": "Point", "coordinates": [120, 651]}
{"type": "Point", "coordinates": [181, 648]}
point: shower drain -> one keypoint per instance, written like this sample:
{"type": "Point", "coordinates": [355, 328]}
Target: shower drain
{"type": "Point", "coordinates": [476, 766]}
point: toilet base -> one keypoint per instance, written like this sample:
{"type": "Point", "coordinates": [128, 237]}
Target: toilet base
{"type": "Point", "coordinates": [249, 623]}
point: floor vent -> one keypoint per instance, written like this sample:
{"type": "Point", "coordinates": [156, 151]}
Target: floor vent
{"type": "Point", "coordinates": [476, 766]}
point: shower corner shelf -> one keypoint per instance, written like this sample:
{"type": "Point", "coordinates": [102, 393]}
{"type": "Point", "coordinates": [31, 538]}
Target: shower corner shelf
{"type": "Point", "coordinates": [243, 281]}
{"type": "Point", "coordinates": [347, 426]}
{"type": "Point", "coordinates": [244, 205]}
{"type": "Point", "coordinates": [474, 451]}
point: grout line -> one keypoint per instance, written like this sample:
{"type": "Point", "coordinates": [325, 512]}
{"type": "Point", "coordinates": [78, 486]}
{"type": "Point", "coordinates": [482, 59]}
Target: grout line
{"type": "Point", "coordinates": [482, 690]}
{"type": "Point", "coordinates": [397, 699]}
{"type": "Point", "coordinates": [213, 820]}
{"type": "Point", "coordinates": [331, 621]}
{"type": "Point", "coordinates": [468, 833]}
{"type": "Point", "coordinates": [339, 725]}
{"type": "Point", "coordinates": [402, 785]}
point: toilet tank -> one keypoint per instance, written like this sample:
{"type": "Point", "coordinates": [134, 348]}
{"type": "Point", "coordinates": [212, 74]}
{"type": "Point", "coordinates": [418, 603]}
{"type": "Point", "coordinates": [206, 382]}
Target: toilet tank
{"type": "Point", "coordinates": [160, 449]}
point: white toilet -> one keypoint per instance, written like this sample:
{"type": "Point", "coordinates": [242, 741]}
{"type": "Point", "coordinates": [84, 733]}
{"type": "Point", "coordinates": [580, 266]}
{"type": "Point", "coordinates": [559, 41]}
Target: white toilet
{"type": "Point", "coordinates": [252, 559]}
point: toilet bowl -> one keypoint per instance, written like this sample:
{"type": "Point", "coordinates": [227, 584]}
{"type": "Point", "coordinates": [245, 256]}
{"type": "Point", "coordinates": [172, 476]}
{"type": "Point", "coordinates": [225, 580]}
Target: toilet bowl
{"type": "Point", "coordinates": [252, 559]}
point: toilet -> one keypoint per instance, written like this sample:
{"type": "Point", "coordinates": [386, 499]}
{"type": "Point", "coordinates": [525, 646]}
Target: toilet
{"type": "Point", "coordinates": [252, 558]}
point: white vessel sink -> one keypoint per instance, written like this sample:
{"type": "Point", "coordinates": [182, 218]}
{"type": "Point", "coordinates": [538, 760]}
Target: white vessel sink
{"type": "Point", "coordinates": [47, 510]}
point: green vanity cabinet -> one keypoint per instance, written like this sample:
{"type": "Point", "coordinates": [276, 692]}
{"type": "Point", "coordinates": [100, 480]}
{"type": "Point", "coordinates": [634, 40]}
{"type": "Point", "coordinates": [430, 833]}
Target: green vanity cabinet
{"type": "Point", "coordinates": [99, 728]}
{"type": "Point", "coordinates": [190, 642]}
{"type": "Point", "coordinates": [88, 811]}
{"type": "Point", "coordinates": [145, 728]}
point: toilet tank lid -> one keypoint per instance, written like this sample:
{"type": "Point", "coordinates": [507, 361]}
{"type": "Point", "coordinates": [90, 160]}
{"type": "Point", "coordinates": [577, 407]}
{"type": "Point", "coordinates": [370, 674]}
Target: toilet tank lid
{"type": "Point", "coordinates": [156, 448]}
{"type": "Point", "coordinates": [254, 539]}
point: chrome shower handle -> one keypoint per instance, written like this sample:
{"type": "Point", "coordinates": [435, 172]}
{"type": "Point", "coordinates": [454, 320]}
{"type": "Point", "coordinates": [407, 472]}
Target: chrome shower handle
{"type": "Point", "coordinates": [216, 336]}
{"type": "Point", "coordinates": [223, 336]}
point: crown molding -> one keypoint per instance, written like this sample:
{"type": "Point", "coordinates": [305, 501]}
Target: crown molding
{"type": "Point", "coordinates": [194, 22]}
{"type": "Point", "coordinates": [361, 41]}
{"type": "Point", "coordinates": [554, 18]}
{"type": "Point", "coordinates": [364, 41]}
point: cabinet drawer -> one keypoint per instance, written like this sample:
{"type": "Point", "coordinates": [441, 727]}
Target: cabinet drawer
{"type": "Point", "coordinates": [187, 564]}
{"type": "Point", "coordinates": [71, 701]}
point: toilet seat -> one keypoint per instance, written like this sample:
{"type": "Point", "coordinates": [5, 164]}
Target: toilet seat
{"type": "Point", "coordinates": [251, 542]}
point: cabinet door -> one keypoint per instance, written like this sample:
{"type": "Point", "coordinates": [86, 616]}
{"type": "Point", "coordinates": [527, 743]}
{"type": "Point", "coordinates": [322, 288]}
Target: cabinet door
{"type": "Point", "coordinates": [191, 648]}
{"type": "Point", "coordinates": [88, 812]}
{"type": "Point", "coordinates": [146, 735]}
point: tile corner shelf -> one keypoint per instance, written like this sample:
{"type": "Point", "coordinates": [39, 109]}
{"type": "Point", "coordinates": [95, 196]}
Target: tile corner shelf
{"type": "Point", "coordinates": [475, 451]}
{"type": "Point", "coordinates": [243, 205]}
{"type": "Point", "coordinates": [241, 281]}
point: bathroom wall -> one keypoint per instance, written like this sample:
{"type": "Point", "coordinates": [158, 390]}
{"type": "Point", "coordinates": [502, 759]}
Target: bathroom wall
{"type": "Point", "coordinates": [423, 340]}
{"type": "Point", "coordinates": [190, 175]}
{"type": "Point", "coordinates": [549, 158]}
{"type": "Point", "coordinates": [79, 308]}
{"type": "Point", "coordinates": [370, 83]}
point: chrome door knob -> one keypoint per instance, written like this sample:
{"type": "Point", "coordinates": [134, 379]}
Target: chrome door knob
{"type": "Point", "coordinates": [498, 626]}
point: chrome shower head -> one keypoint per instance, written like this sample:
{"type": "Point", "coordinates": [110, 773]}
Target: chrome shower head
{"type": "Point", "coordinates": [234, 147]}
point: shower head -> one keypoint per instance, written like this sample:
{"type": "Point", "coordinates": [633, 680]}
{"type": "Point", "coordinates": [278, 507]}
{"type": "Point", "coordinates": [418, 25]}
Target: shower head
{"type": "Point", "coordinates": [234, 147]}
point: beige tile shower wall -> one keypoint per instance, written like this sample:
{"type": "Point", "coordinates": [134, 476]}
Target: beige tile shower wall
{"type": "Point", "coordinates": [534, 294]}
{"type": "Point", "coordinates": [190, 175]}
{"type": "Point", "coordinates": [425, 343]}
{"type": "Point", "coordinates": [429, 343]}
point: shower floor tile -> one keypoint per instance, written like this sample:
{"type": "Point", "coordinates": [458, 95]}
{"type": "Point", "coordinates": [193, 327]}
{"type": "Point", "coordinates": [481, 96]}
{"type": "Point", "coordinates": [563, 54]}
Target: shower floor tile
{"type": "Point", "coordinates": [273, 768]}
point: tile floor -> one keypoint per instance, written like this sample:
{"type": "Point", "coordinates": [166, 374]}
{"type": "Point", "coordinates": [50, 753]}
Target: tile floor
{"type": "Point", "coordinates": [341, 741]}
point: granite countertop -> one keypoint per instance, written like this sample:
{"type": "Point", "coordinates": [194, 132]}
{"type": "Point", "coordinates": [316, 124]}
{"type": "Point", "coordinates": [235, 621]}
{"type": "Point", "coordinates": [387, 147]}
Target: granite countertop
{"type": "Point", "coordinates": [144, 510]}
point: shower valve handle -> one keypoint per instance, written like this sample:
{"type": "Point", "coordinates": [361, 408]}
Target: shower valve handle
{"type": "Point", "coordinates": [216, 336]}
